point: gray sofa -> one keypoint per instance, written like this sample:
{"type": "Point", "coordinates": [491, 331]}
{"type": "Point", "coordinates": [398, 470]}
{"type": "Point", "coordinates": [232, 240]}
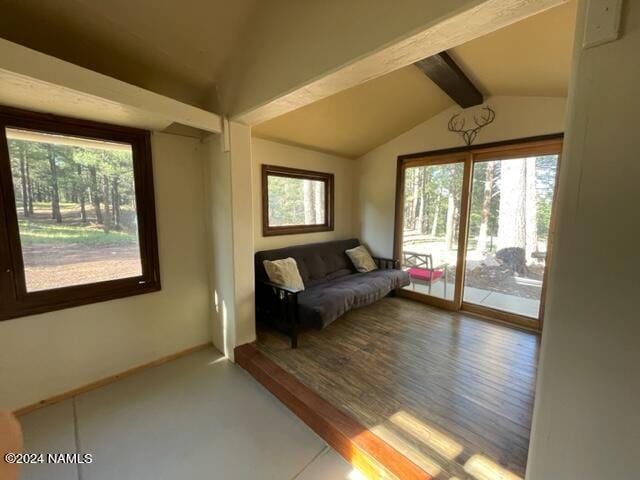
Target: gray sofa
{"type": "Point", "coordinates": [332, 286]}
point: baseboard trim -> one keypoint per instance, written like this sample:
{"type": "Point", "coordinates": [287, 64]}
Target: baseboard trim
{"type": "Point", "coordinates": [107, 380]}
{"type": "Point", "coordinates": [364, 450]}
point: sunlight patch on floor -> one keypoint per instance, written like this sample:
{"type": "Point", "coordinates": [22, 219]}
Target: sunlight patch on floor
{"type": "Point", "coordinates": [218, 360]}
{"type": "Point", "coordinates": [356, 475]}
{"type": "Point", "coordinates": [484, 469]}
{"type": "Point", "coordinates": [408, 450]}
{"type": "Point", "coordinates": [431, 437]}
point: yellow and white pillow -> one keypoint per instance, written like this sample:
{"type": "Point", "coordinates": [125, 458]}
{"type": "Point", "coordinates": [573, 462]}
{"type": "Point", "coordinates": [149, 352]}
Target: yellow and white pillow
{"type": "Point", "coordinates": [284, 272]}
{"type": "Point", "coordinates": [361, 259]}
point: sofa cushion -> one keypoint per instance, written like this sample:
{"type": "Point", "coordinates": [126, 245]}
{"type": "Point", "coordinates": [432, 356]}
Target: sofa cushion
{"type": "Point", "coordinates": [317, 262]}
{"type": "Point", "coordinates": [323, 303]}
{"type": "Point", "coordinates": [425, 274]}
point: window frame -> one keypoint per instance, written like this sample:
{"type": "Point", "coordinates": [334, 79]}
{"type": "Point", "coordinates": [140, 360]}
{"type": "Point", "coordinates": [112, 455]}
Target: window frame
{"type": "Point", "coordinates": [15, 300]}
{"type": "Point", "coordinates": [279, 171]}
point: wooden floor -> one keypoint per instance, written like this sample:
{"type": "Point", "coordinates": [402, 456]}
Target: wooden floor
{"type": "Point", "coordinates": [451, 392]}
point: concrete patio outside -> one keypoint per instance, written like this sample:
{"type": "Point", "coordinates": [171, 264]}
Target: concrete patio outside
{"type": "Point", "coordinates": [486, 298]}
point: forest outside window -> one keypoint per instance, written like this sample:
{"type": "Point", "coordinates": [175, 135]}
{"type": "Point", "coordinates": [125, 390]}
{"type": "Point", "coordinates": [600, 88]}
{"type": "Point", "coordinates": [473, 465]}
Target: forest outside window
{"type": "Point", "coordinates": [296, 201]}
{"type": "Point", "coordinates": [77, 213]}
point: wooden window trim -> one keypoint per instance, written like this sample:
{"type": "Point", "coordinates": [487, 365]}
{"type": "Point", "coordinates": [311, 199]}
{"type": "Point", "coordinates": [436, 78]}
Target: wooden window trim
{"type": "Point", "coordinates": [16, 301]}
{"type": "Point", "coordinates": [327, 178]}
{"type": "Point", "coordinates": [470, 155]}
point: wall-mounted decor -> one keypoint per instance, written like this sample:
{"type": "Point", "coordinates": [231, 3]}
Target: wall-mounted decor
{"type": "Point", "coordinates": [457, 124]}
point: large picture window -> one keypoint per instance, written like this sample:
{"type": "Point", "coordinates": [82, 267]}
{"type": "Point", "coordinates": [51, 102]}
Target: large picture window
{"type": "Point", "coordinates": [77, 212]}
{"type": "Point", "coordinates": [296, 201]}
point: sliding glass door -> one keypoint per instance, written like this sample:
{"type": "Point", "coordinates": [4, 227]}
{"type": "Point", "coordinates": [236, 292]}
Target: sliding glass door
{"type": "Point", "coordinates": [433, 206]}
{"type": "Point", "coordinates": [473, 228]}
{"type": "Point", "coordinates": [509, 227]}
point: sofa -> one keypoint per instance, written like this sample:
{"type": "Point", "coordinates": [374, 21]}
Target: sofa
{"type": "Point", "coordinates": [332, 286]}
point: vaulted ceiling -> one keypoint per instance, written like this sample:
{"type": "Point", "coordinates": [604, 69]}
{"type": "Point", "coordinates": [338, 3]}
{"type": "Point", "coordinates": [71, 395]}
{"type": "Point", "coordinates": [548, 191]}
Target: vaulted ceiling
{"type": "Point", "coordinates": [174, 47]}
{"type": "Point", "coordinates": [529, 58]}
{"type": "Point", "coordinates": [180, 48]}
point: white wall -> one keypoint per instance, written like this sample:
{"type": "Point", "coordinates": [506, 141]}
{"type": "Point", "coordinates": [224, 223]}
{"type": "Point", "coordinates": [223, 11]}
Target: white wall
{"type": "Point", "coordinates": [242, 194]}
{"type": "Point", "coordinates": [586, 417]}
{"type": "Point", "coordinates": [229, 213]}
{"type": "Point", "coordinates": [220, 244]}
{"type": "Point", "coordinates": [48, 354]}
{"type": "Point", "coordinates": [272, 153]}
{"type": "Point", "coordinates": [516, 117]}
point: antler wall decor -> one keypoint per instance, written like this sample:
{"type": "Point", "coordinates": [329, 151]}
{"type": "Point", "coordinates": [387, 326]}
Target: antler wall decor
{"type": "Point", "coordinates": [456, 125]}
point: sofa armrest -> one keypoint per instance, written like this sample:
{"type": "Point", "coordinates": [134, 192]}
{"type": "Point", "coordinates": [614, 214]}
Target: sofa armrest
{"type": "Point", "coordinates": [387, 263]}
{"type": "Point", "coordinates": [282, 288]}
{"type": "Point", "coordinates": [281, 302]}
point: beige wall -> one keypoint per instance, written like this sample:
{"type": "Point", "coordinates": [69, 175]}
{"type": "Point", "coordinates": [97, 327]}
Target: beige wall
{"type": "Point", "coordinates": [516, 117]}
{"type": "Point", "coordinates": [586, 419]}
{"type": "Point", "coordinates": [272, 153]}
{"type": "Point", "coordinates": [44, 355]}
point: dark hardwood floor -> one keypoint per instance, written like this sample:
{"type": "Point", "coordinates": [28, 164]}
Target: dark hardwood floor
{"type": "Point", "coordinates": [451, 392]}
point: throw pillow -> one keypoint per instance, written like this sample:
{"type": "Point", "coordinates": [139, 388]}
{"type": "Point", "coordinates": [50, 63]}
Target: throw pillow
{"type": "Point", "coordinates": [361, 259]}
{"type": "Point", "coordinates": [284, 272]}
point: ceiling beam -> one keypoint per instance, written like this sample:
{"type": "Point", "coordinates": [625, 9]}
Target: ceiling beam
{"type": "Point", "coordinates": [447, 75]}
{"type": "Point", "coordinates": [273, 76]}
{"type": "Point", "coordinates": [34, 81]}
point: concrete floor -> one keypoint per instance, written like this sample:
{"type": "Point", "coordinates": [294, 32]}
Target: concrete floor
{"type": "Point", "coordinates": [194, 418]}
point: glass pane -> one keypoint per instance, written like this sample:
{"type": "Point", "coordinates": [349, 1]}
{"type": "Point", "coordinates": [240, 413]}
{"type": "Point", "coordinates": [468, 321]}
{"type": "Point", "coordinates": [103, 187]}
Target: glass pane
{"type": "Point", "coordinates": [76, 208]}
{"type": "Point", "coordinates": [432, 198]}
{"type": "Point", "coordinates": [295, 201]}
{"type": "Point", "coordinates": [508, 232]}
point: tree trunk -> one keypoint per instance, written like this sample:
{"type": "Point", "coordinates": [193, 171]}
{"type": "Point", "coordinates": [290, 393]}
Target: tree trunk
{"type": "Point", "coordinates": [415, 196]}
{"type": "Point", "coordinates": [318, 198]}
{"type": "Point", "coordinates": [116, 203]}
{"type": "Point", "coordinates": [307, 192]}
{"type": "Point", "coordinates": [24, 181]}
{"type": "Point", "coordinates": [95, 195]}
{"type": "Point", "coordinates": [436, 214]}
{"type": "Point", "coordinates": [107, 205]}
{"type": "Point", "coordinates": [450, 217]}
{"type": "Point", "coordinates": [419, 218]}
{"type": "Point", "coordinates": [481, 246]}
{"type": "Point", "coordinates": [531, 220]}
{"type": "Point", "coordinates": [83, 209]}
{"type": "Point", "coordinates": [30, 190]}
{"type": "Point", "coordinates": [29, 187]}
{"type": "Point", "coordinates": [421, 209]}
{"type": "Point", "coordinates": [55, 196]}
{"type": "Point", "coordinates": [511, 223]}
{"type": "Point", "coordinates": [81, 196]}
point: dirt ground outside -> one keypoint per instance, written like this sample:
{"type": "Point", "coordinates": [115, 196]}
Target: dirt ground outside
{"type": "Point", "coordinates": [55, 266]}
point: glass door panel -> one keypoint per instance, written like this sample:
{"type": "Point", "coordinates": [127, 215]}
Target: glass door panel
{"type": "Point", "coordinates": [431, 225]}
{"type": "Point", "coordinates": [509, 223]}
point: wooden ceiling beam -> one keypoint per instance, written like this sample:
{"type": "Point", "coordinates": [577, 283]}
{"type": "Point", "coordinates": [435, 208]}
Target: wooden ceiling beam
{"type": "Point", "coordinates": [447, 75]}
{"type": "Point", "coordinates": [32, 80]}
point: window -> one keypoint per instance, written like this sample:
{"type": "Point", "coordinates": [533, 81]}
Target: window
{"type": "Point", "coordinates": [296, 201]}
{"type": "Point", "coordinates": [77, 211]}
